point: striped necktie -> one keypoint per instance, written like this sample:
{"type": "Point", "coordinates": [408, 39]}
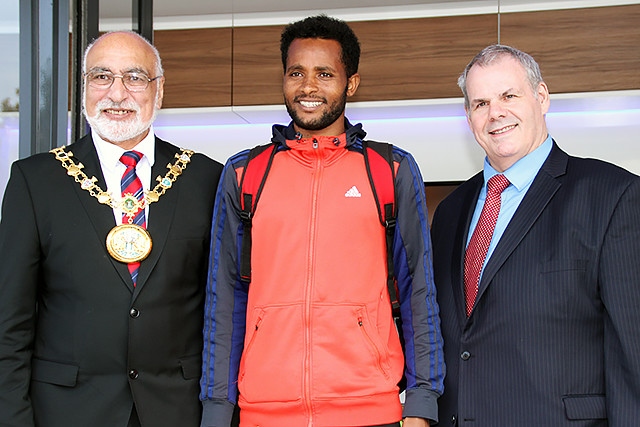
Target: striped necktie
{"type": "Point", "coordinates": [131, 184]}
{"type": "Point", "coordinates": [476, 252]}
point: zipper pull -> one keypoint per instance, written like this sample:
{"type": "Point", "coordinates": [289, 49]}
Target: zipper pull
{"type": "Point", "coordinates": [315, 143]}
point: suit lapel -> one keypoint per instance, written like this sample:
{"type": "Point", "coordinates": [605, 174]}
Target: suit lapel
{"type": "Point", "coordinates": [161, 213]}
{"type": "Point", "coordinates": [101, 216]}
{"type": "Point", "coordinates": [542, 189]}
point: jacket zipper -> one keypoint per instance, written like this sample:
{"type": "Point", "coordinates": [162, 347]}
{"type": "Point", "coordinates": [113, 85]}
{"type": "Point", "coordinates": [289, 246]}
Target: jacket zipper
{"type": "Point", "coordinates": [316, 178]}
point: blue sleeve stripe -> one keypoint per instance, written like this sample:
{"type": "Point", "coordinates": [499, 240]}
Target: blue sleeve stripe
{"type": "Point", "coordinates": [224, 356]}
{"type": "Point", "coordinates": [405, 281]}
{"type": "Point", "coordinates": [239, 316]}
{"type": "Point", "coordinates": [209, 327]}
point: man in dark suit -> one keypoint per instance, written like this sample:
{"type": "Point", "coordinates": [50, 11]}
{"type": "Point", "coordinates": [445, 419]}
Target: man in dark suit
{"type": "Point", "coordinates": [101, 314]}
{"type": "Point", "coordinates": [548, 334]}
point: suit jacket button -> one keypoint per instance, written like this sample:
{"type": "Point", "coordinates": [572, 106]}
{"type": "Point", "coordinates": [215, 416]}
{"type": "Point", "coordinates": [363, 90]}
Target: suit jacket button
{"type": "Point", "coordinates": [465, 355]}
{"type": "Point", "coordinates": [453, 419]}
{"type": "Point", "coordinates": [133, 374]}
{"type": "Point", "coordinates": [134, 313]}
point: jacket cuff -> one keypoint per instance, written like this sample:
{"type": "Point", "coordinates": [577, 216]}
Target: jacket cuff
{"type": "Point", "coordinates": [216, 413]}
{"type": "Point", "coordinates": [421, 403]}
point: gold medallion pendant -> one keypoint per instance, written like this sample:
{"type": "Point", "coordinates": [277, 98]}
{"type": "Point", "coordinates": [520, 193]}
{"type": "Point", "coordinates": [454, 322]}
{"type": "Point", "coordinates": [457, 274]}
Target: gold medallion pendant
{"type": "Point", "coordinates": [129, 243]}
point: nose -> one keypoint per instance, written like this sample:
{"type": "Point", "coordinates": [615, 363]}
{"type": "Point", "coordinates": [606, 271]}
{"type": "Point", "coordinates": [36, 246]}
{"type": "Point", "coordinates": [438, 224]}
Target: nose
{"type": "Point", "coordinates": [497, 110]}
{"type": "Point", "coordinates": [309, 84]}
{"type": "Point", "coordinates": [117, 91]}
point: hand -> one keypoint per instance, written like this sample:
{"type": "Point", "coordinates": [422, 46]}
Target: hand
{"type": "Point", "coordinates": [415, 422]}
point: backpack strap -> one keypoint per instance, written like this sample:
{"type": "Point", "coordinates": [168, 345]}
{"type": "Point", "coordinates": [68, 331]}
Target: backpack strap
{"type": "Point", "coordinates": [251, 184]}
{"type": "Point", "coordinates": [381, 170]}
{"type": "Point", "coordinates": [378, 159]}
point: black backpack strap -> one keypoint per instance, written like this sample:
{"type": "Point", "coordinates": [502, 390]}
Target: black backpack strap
{"type": "Point", "coordinates": [251, 184]}
{"type": "Point", "coordinates": [378, 159]}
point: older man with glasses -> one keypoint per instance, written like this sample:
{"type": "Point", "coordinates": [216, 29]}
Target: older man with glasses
{"type": "Point", "coordinates": [102, 265]}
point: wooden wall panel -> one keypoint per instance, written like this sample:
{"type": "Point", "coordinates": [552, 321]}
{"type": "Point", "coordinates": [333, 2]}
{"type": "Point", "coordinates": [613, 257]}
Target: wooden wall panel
{"type": "Point", "coordinates": [257, 68]}
{"type": "Point", "coordinates": [197, 65]}
{"type": "Point", "coordinates": [580, 50]}
{"type": "Point", "coordinates": [419, 58]}
{"type": "Point", "coordinates": [401, 59]}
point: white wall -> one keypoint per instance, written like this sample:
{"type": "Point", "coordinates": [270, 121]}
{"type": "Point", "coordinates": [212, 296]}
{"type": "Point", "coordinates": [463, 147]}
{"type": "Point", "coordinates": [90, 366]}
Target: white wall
{"type": "Point", "coordinates": [603, 125]}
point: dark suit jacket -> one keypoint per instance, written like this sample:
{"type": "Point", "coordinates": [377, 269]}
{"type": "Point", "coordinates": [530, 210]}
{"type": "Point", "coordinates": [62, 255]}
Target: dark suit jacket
{"type": "Point", "coordinates": [79, 344]}
{"type": "Point", "coordinates": [554, 337]}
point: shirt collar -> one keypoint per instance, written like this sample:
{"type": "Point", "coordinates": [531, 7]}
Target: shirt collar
{"type": "Point", "coordinates": [109, 154]}
{"type": "Point", "coordinates": [522, 172]}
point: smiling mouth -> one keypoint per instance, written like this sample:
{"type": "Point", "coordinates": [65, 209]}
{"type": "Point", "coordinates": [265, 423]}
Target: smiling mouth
{"type": "Point", "coordinates": [310, 104]}
{"type": "Point", "coordinates": [118, 112]}
{"type": "Point", "coordinates": [502, 130]}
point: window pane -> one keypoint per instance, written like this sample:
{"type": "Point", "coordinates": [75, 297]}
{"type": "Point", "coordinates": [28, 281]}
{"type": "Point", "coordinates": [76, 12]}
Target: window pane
{"type": "Point", "coordinates": [9, 83]}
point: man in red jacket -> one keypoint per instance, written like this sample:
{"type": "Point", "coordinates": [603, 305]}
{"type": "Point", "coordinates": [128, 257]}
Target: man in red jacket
{"type": "Point", "coordinates": [311, 341]}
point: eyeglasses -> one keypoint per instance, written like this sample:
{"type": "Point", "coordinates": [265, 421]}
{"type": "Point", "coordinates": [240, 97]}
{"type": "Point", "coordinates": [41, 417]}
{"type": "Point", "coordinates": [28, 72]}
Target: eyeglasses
{"type": "Point", "coordinates": [132, 81]}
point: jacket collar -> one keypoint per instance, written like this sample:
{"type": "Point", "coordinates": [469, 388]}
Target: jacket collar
{"type": "Point", "coordinates": [281, 133]}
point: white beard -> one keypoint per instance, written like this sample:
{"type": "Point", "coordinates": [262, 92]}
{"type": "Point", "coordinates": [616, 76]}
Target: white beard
{"type": "Point", "coordinates": [120, 130]}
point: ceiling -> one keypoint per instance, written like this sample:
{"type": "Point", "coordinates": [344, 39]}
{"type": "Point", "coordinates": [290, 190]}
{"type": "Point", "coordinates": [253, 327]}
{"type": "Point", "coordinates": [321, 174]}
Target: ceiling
{"type": "Point", "coordinates": [274, 10]}
{"type": "Point", "coordinates": [163, 8]}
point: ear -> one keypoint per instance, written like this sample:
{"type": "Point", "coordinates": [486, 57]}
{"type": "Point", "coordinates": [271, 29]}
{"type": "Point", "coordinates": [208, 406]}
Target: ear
{"type": "Point", "coordinates": [467, 113]}
{"type": "Point", "coordinates": [352, 84]}
{"type": "Point", "coordinates": [543, 97]}
{"type": "Point", "coordinates": [160, 93]}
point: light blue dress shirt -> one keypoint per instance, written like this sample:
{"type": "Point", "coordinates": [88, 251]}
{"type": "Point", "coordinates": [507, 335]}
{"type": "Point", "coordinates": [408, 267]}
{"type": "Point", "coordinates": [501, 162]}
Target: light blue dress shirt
{"type": "Point", "coordinates": [520, 175]}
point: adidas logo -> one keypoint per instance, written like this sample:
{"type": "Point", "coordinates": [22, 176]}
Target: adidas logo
{"type": "Point", "coordinates": [353, 192]}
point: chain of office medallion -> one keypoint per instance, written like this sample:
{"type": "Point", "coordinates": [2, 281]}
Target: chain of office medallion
{"type": "Point", "coordinates": [89, 184]}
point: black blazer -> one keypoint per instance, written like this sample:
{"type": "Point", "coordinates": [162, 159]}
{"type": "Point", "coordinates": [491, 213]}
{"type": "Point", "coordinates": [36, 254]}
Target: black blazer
{"type": "Point", "coordinates": [79, 344]}
{"type": "Point", "coordinates": [553, 339]}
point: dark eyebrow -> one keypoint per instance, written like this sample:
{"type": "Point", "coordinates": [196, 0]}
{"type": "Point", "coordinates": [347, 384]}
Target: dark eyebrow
{"type": "Point", "coordinates": [294, 67]}
{"type": "Point", "coordinates": [325, 68]}
{"type": "Point", "coordinates": [298, 67]}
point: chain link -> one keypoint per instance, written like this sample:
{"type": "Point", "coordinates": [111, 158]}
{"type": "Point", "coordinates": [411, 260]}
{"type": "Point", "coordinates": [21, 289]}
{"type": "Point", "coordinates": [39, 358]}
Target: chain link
{"type": "Point", "coordinates": [89, 184]}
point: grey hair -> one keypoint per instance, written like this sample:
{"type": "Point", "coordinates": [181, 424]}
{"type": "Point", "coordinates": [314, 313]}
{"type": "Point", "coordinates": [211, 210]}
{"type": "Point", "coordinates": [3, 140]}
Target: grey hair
{"type": "Point", "coordinates": [159, 70]}
{"type": "Point", "coordinates": [495, 52]}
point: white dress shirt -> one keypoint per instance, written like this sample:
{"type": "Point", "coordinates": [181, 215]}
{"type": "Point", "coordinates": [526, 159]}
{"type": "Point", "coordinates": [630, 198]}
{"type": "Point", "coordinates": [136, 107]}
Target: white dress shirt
{"type": "Point", "coordinates": [112, 169]}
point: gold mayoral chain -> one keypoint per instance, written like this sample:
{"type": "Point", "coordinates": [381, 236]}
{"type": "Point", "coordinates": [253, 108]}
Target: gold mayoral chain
{"type": "Point", "coordinates": [125, 242]}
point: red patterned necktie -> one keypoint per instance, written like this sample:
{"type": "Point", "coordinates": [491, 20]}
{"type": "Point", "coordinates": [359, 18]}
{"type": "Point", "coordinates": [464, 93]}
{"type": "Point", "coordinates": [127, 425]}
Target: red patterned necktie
{"type": "Point", "coordinates": [131, 185]}
{"type": "Point", "coordinates": [476, 252]}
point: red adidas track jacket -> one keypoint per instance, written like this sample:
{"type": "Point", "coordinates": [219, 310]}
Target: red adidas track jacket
{"type": "Point", "coordinates": [311, 341]}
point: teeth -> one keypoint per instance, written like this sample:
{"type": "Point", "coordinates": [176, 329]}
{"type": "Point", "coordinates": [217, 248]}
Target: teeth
{"type": "Point", "coordinates": [503, 130]}
{"type": "Point", "coordinates": [309, 104]}
{"type": "Point", "coordinates": [117, 112]}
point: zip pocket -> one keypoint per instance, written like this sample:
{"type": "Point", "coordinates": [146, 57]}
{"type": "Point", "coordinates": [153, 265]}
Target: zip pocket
{"type": "Point", "coordinates": [247, 350]}
{"type": "Point", "coordinates": [371, 344]}
{"type": "Point", "coordinates": [271, 364]}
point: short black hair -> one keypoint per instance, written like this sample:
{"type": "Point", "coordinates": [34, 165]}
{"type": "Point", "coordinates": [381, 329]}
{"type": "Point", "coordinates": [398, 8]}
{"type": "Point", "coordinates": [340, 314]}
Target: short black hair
{"type": "Point", "coordinates": [323, 27]}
